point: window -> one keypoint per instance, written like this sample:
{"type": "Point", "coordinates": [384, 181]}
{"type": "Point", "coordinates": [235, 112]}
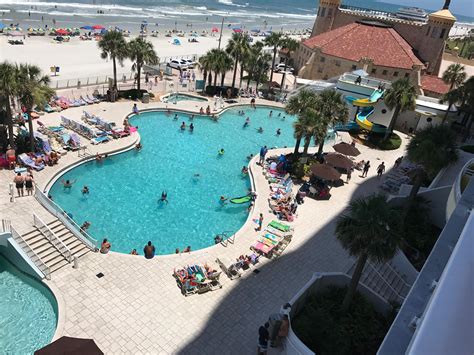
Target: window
{"type": "Point", "coordinates": [322, 59]}
{"type": "Point", "coordinates": [435, 32]}
{"type": "Point", "coordinates": [395, 73]}
{"type": "Point", "coordinates": [428, 31]}
{"type": "Point", "coordinates": [443, 31]}
{"type": "Point", "coordinates": [384, 72]}
{"type": "Point", "coordinates": [338, 63]}
{"type": "Point", "coordinates": [407, 75]}
{"type": "Point", "coordinates": [329, 12]}
{"type": "Point", "coordinates": [320, 70]}
{"type": "Point", "coordinates": [323, 11]}
{"type": "Point", "coordinates": [354, 67]}
{"type": "Point", "coordinates": [374, 71]}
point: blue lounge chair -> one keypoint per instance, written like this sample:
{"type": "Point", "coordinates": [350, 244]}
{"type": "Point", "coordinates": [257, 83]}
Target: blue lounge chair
{"type": "Point", "coordinates": [27, 161]}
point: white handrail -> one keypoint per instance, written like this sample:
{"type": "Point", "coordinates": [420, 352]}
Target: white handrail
{"type": "Point", "coordinates": [60, 214]}
{"type": "Point", "coordinates": [38, 262]}
{"type": "Point", "coordinates": [53, 238]}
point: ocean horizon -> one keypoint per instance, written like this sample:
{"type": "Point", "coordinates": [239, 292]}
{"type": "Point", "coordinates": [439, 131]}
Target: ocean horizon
{"type": "Point", "coordinates": [180, 14]}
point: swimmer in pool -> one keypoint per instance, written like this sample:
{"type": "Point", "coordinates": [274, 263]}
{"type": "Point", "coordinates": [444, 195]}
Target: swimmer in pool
{"type": "Point", "coordinates": [260, 130]}
{"type": "Point", "coordinates": [175, 117]}
{"type": "Point", "coordinates": [183, 126]}
{"type": "Point", "coordinates": [247, 122]}
{"type": "Point", "coordinates": [191, 117]}
{"type": "Point", "coordinates": [67, 184]}
{"type": "Point", "coordinates": [223, 200]}
{"type": "Point", "coordinates": [270, 114]}
{"type": "Point", "coordinates": [245, 170]}
{"type": "Point", "coordinates": [278, 131]}
{"type": "Point", "coordinates": [249, 157]}
{"type": "Point", "coordinates": [138, 146]}
{"type": "Point", "coordinates": [221, 151]}
{"type": "Point", "coordinates": [164, 197]}
{"type": "Point", "coordinates": [85, 190]}
{"type": "Point", "coordinates": [191, 127]}
{"type": "Point", "coordinates": [279, 114]}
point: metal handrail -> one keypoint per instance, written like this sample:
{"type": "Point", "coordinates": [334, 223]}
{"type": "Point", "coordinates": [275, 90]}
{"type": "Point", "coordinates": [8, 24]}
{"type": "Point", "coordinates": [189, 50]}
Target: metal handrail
{"type": "Point", "coordinates": [38, 262]}
{"type": "Point", "coordinates": [60, 214]}
{"type": "Point", "coordinates": [52, 237]}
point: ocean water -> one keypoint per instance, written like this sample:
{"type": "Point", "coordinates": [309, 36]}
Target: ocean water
{"type": "Point", "coordinates": [123, 204]}
{"type": "Point", "coordinates": [129, 14]}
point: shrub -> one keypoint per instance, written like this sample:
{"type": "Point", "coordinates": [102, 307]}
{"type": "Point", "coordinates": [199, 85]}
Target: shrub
{"type": "Point", "coordinates": [133, 94]}
{"type": "Point", "coordinates": [392, 143]}
{"type": "Point", "coordinates": [326, 330]}
{"type": "Point", "coordinates": [468, 148]}
{"type": "Point", "coordinates": [218, 90]}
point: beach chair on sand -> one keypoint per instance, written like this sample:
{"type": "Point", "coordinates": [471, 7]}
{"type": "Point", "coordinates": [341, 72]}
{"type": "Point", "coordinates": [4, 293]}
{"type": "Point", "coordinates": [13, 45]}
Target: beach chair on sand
{"type": "Point", "coordinates": [232, 271]}
{"type": "Point", "coordinates": [27, 161]}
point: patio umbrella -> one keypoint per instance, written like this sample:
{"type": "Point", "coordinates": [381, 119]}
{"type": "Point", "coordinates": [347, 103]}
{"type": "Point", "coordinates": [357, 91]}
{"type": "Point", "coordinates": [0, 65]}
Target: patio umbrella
{"type": "Point", "coordinates": [346, 149]}
{"type": "Point", "coordinates": [70, 346]}
{"type": "Point", "coordinates": [325, 172]}
{"type": "Point", "coordinates": [214, 29]}
{"type": "Point", "coordinates": [338, 161]}
{"type": "Point", "coordinates": [98, 27]}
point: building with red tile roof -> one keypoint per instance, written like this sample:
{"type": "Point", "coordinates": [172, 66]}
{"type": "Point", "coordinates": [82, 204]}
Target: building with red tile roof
{"type": "Point", "coordinates": [433, 86]}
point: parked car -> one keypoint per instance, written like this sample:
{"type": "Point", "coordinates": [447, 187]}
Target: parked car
{"type": "Point", "coordinates": [179, 64]}
{"type": "Point", "coordinates": [279, 68]}
{"type": "Point", "coordinates": [191, 63]}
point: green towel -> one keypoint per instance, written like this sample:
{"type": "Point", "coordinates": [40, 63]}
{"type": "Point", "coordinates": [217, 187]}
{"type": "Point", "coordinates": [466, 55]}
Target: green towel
{"type": "Point", "coordinates": [280, 226]}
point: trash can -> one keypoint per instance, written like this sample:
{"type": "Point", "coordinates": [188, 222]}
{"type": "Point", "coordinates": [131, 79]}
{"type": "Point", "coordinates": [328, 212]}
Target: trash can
{"type": "Point", "coordinates": [146, 98]}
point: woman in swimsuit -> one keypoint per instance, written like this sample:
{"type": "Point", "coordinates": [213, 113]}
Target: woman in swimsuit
{"type": "Point", "coordinates": [29, 184]}
{"type": "Point", "coordinates": [19, 183]}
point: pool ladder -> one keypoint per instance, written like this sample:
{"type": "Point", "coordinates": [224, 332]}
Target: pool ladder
{"type": "Point", "coordinates": [226, 238]}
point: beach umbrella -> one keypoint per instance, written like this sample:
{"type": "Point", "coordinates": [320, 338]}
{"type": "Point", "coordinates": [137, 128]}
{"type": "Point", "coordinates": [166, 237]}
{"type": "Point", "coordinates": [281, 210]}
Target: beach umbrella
{"type": "Point", "coordinates": [98, 27]}
{"type": "Point", "coordinates": [87, 27]}
{"type": "Point", "coordinates": [325, 172]}
{"type": "Point", "coordinates": [338, 161]}
{"type": "Point", "coordinates": [214, 29]}
{"type": "Point", "coordinates": [237, 30]}
{"type": "Point", "coordinates": [61, 32]}
{"type": "Point", "coordinates": [346, 149]}
{"type": "Point", "coordinates": [69, 345]}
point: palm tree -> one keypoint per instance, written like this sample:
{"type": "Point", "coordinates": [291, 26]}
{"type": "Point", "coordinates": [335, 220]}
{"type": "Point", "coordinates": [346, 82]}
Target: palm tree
{"type": "Point", "coordinates": [113, 46]}
{"type": "Point", "coordinates": [275, 41]}
{"type": "Point", "coordinates": [7, 92]}
{"type": "Point", "coordinates": [433, 148]}
{"type": "Point", "coordinates": [454, 75]}
{"type": "Point", "coordinates": [32, 90]}
{"type": "Point", "coordinates": [297, 105]}
{"type": "Point", "coordinates": [206, 65]}
{"type": "Point", "coordinates": [311, 122]}
{"type": "Point", "coordinates": [236, 47]}
{"type": "Point", "coordinates": [226, 65]}
{"type": "Point", "coordinates": [251, 61]}
{"type": "Point", "coordinates": [290, 45]}
{"type": "Point", "coordinates": [400, 96]}
{"type": "Point", "coordinates": [299, 127]}
{"type": "Point", "coordinates": [369, 231]}
{"type": "Point", "coordinates": [451, 97]}
{"type": "Point", "coordinates": [261, 68]}
{"type": "Point", "coordinates": [218, 62]}
{"type": "Point", "coordinates": [333, 110]}
{"type": "Point", "coordinates": [141, 52]}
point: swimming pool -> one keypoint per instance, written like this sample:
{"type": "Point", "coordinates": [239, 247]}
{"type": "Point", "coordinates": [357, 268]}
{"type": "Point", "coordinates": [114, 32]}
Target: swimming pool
{"type": "Point", "coordinates": [171, 98]}
{"type": "Point", "coordinates": [28, 311]}
{"type": "Point", "coordinates": [124, 190]}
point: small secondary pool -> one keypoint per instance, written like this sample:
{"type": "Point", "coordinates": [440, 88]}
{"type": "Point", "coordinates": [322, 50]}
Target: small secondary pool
{"type": "Point", "coordinates": [124, 190]}
{"type": "Point", "coordinates": [28, 311]}
{"type": "Point", "coordinates": [171, 98]}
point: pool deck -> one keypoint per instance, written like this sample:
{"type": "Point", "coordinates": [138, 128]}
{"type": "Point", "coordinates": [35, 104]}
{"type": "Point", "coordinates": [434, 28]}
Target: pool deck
{"type": "Point", "coordinates": [137, 307]}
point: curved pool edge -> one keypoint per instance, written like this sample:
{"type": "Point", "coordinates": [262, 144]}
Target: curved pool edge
{"type": "Point", "coordinates": [61, 306]}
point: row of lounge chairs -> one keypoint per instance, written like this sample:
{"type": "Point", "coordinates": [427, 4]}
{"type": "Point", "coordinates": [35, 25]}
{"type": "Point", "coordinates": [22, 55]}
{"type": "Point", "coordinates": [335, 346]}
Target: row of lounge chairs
{"type": "Point", "coordinates": [197, 279]}
{"type": "Point", "coordinates": [281, 200]}
{"type": "Point", "coordinates": [63, 103]}
{"type": "Point", "coordinates": [274, 240]}
{"type": "Point", "coordinates": [60, 139]}
{"type": "Point", "coordinates": [109, 127]}
{"type": "Point", "coordinates": [95, 135]}
{"type": "Point", "coordinates": [395, 178]}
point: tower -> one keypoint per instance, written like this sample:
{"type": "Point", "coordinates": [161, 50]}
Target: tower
{"type": "Point", "coordinates": [436, 31]}
{"type": "Point", "coordinates": [327, 11]}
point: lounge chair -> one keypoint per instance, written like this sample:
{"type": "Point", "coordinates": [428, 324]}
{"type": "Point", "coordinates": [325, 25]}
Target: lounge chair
{"type": "Point", "coordinates": [262, 248]}
{"type": "Point", "coordinates": [280, 226]}
{"type": "Point", "coordinates": [27, 161]}
{"type": "Point", "coordinates": [119, 133]}
{"type": "Point", "coordinates": [232, 271]}
{"type": "Point", "coordinates": [86, 100]}
{"type": "Point", "coordinates": [48, 108]}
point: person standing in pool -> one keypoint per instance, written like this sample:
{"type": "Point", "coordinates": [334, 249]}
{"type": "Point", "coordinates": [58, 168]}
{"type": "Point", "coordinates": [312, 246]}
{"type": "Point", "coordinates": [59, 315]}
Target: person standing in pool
{"type": "Point", "coordinates": [223, 200]}
{"type": "Point", "coordinates": [85, 190]}
{"type": "Point", "coordinates": [183, 126]}
{"type": "Point", "coordinates": [164, 197]}
{"type": "Point", "coordinates": [67, 184]}
{"type": "Point", "coordinates": [247, 122]}
{"type": "Point", "coordinates": [191, 127]}
{"type": "Point", "coordinates": [270, 114]}
{"type": "Point", "coordinates": [175, 117]}
{"type": "Point", "coordinates": [278, 131]}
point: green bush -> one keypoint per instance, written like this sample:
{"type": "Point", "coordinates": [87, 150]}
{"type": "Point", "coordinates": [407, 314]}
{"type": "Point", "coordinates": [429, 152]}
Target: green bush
{"type": "Point", "coordinates": [326, 330]}
{"type": "Point", "coordinates": [468, 148]}
{"type": "Point", "coordinates": [217, 90]}
{"type": "Point", "coordinates": [392, 143]}
{"type": "Point", "coordinates": [133, 94]}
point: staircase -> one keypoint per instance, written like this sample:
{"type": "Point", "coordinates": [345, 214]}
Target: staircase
{"type": "Point", "coordinates": [37, 245]}
{"type": "Point", "coordinates": [384, 280]}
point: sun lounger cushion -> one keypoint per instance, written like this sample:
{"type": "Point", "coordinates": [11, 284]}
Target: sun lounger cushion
{"type": "Point", "coordinates": [280, 226]}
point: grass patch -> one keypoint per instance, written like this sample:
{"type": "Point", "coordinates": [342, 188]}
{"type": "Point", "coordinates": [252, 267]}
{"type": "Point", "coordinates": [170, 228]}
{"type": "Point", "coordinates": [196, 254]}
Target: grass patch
{"type": "Point", "coordinates": [326, 330]}
{"type": "Point", "coordinates": [468, 148]}
{"type": "Point", "coordinates": [392, 143]}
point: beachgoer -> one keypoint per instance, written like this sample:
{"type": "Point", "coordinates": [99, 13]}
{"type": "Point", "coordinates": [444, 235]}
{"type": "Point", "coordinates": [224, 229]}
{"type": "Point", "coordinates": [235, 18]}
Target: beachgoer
{"type": "Point", "coordinates": [260, 130]}
{"type": "Point", "coordinates": [380, 170]}
{"type": "Point", "coordinates": [217, 239]}
{"type": "Point", "coordinates": [11, 157]}
{"type": "Point", "coordinates": [191, 127]}
{"type": "Point", "coordinates": [29, 184]}
{"type": "Point", "coordinates": [366, 169]}
{"type": "Point", "coordinates": [138, 146]}
{"type": "Point", "coordinates": [278, 132]}
{"type": "Point", "coordinates": [134, 252]}
{"type": "Point", "coordinates": [85, 190]}
{"type": "Point", "coordinates": [187, 249]}
{"type": "Point", "coordinates": [358, 80]}
{"type": "Point", "coordinates": [67, 184]}
{"type": "Point", "coordinates": [283, 330]}
{"type": "Point", "coordinates": [183, 126]}
{"type": "Point", "coordinates": [176, 251]}
{"type": "Point", "coordinates": [270, 114]}
{"type": "Point", "coordinates": [259, 223]}
{"type": "Point", "coordinates": [201, 111]}
{"type": "Point", "coordinates": [247, 122]}
{"type": "Point", "coordinates": [85, 226]}
{"type": "Point", "coordinates": [222, 200]}
{"type": "Point", "coordinates": [135, 109]}
{"type": "Point", "coordinates": [263, 152]}
{"type": "Point", "coordinates": [175, 117]}
{"type": "Point", "coordinates": [245, 170]}
{"type": "Point", "coordinates": [349, 174]}
{"type": "Point", "coordinates": [249, 157]}
{"type": "Point", "coordinates": [208, 110]}
{"type": "Point", "coordinates": [105, 246]}
{"type": "Point", "coordinates": [279, 114]}
{"type": "Point", "coordinates": [263, 336]}
{"type": "Point", "coordinates": [398, 162]}
{"type": "Point", "coordinates": [164, 197]}
{"type": "Point", "coordinates": [19, 183]}
{"type": "Point", "coordinates": [149, 250]}
{"type": "Point", "coordinates": [221, 151]}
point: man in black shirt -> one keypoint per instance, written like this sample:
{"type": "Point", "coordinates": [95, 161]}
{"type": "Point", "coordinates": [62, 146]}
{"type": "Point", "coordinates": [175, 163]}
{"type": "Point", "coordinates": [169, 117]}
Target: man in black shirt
{"type": "Point", "coordinates": [263, 336]}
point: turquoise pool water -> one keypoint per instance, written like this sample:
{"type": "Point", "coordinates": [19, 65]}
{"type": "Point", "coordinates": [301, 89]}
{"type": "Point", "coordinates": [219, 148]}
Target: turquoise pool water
{"type": "Point", "coordinates": [28, 312]}
{"type": "Point", "coordinates": [182, 97]}
{"type": "Point", "coordinates": [124, 190]}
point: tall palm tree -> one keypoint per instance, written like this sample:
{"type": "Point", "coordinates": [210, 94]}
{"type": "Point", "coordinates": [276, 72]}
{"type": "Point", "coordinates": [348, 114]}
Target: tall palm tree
{"type": "Point", "coordinates": [205, 65]}
{"type": "Point", "coordinates": [275, 41]}
{"type": "Point", "coordinates": [333, 110]}
{"type": "Point", "coordinates": [141, 52]}
{"type": "Point", "coordinates": [369, 231]}
{"type": "Point", "coordinates": [114, 47]}
{"type": "Point", "coordinates": [7, 92]}
{"type": "Point", "coordinates": [226, 65]}
{"type": "Point", "coordinates": [454, 75]}
{"type": "Point", "coordinates": [433, 148]}
{"type": "Point", "coordinates": [236, 47]}
{"type": "Point", "coordinates": [299, 131]}
{"type": "Point", "coordinates": [451, 97]}
{"type": "Point", "coordinates": [290, 45]}
{"type": "Point", "coordinates": [311, 121]}
{"type": "Point", "coordinates": [32, 90]}
{"type": "Point", "coordinates": [400, 96]}
{"type": "Point", "coordinates": [261, 68]}
{"type": "Point", "coordinates": [251, 61]}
